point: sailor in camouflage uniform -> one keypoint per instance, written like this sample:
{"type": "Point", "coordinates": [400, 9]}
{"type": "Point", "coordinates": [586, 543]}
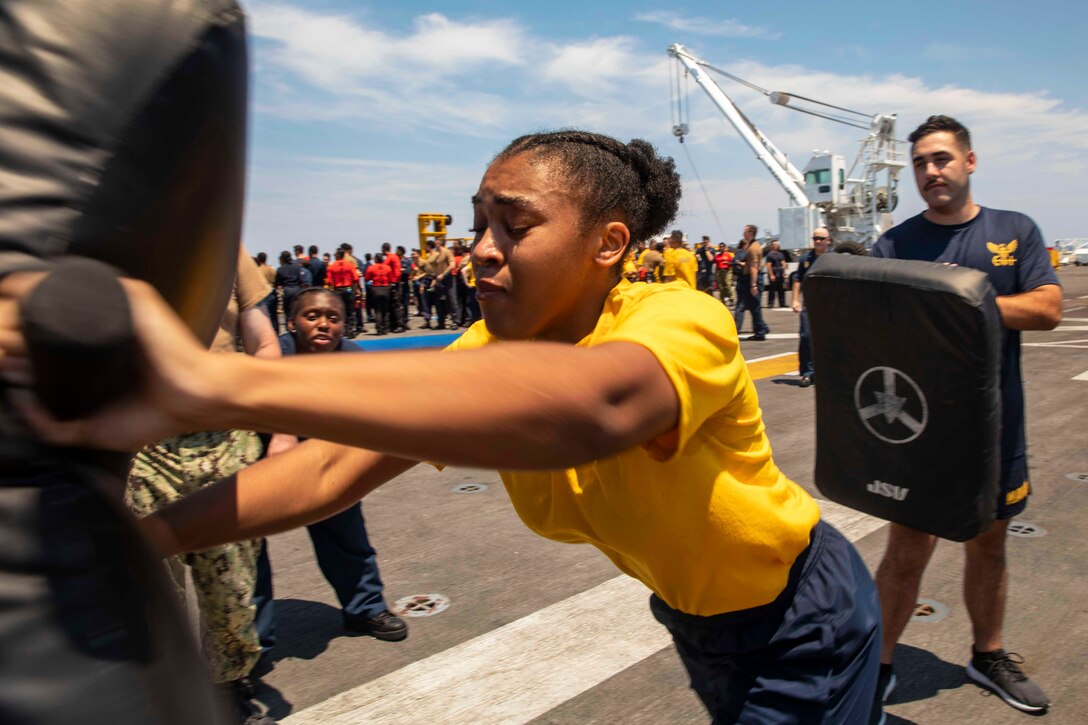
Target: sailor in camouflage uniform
{"type": "Point", "coordinates": [224, 577]}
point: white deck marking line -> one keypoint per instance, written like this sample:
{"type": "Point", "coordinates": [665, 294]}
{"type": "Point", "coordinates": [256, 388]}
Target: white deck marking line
{"type": "Point", "coordinates": [1073, 319]}
{"type": "Point", "coordinates": [1082, 376]}
{"type": "Point", "coordinates": [1076, 344]}
{"type": "Point", "coordinates": [522, 670]}
{"type": "Point", "coordinates": [1076, 309]}
{"type": "Point", "coordinates": [770, 357]}
{"type": "Point", "coordinates": [1070, 328]}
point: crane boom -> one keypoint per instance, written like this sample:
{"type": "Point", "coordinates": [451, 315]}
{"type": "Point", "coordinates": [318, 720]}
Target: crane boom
{"type": "Point", "coordinates": [776, 162]}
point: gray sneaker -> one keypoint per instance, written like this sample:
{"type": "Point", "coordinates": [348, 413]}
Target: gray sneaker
{"type": "Point", "coordinates": [1000, 672]}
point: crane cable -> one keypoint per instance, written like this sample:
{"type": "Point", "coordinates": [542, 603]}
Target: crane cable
{"type": "Point", "coordinates": [825, 116]}
{"type": "Point", "coordinates": [677, 111]}
{"type": "Point", "coordinates": [709, 203]}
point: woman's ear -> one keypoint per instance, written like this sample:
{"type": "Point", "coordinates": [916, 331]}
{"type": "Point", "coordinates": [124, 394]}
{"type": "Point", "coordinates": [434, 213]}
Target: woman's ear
{"type": "Point", "coordinates": [614, 239]}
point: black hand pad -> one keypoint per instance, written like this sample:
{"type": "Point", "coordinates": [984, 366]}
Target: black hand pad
{"type": "Point", "coordinates": [908, 405]}
{"type": "Point", "coordinates": [79, 334]}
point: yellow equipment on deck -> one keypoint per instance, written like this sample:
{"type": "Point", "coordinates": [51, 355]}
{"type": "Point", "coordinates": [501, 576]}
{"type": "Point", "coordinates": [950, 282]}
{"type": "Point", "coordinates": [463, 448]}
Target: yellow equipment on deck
{"type": "Point", "coordinates": [431, 226]}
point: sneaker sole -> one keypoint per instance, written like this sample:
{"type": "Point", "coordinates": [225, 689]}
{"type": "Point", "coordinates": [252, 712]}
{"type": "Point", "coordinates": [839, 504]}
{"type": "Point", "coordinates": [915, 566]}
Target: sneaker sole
{"type": "Point", "coordinates": [1011, 701]}
{"type": "Point", "coordinates": [888, 689]}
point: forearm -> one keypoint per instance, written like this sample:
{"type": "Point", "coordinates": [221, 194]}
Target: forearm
{"type": "Point", "coordinates": [1037, 309]}
{"type": "Point", "coordinates": [258, 336]}
{"type": "Point", "coordinates": [533, 405]}
{"type": "Point", "coordinates": [307, 484]}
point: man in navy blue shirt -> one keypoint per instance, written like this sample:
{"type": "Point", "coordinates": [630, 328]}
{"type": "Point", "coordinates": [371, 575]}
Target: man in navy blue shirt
{"type": "Point", "coordinates": [316, 267]}
{"type": "Point", "coordinates": [1009, 248]}
{"type": "Point", "coordinates": [821, 242]}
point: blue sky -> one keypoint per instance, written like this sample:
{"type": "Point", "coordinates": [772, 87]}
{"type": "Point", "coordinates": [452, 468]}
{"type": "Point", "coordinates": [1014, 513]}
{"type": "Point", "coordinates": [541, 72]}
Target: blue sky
{"type": "Point", "coordinates": [365, 114]}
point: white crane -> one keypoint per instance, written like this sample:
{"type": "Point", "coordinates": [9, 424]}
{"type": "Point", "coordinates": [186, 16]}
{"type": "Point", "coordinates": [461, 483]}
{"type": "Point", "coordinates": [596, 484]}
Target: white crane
{"type": "Point", "coordinates": [854, 203]}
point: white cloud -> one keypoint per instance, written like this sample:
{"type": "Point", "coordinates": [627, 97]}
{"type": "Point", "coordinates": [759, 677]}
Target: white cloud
{"type": "Point", "coordinates": [725, 28]}
{"type": "Point", "coordinates": [468, 87]}
{"type": "Point", "coordinates": [591, 67]}
{"type": "Point", "coordinates": [338, 52]}
{"type": "Point", "coordinates": [612, 67]}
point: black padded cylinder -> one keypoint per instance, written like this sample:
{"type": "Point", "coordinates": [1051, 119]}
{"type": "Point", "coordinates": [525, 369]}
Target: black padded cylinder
{"type": "Point", "coordinates": [77, 321]}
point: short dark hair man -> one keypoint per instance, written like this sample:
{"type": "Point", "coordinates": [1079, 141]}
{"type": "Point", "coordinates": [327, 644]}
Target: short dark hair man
{"type": "Point", "coordinates": [1009, 248]}
{"type": "Point", "coordinates": [821, 241]}
{"type": "Point", "coordinates": [316, 266]}
{"type": "Point", "coordinates": [749, 259]}
{"type": "Point", "coordinates": [704, 256]}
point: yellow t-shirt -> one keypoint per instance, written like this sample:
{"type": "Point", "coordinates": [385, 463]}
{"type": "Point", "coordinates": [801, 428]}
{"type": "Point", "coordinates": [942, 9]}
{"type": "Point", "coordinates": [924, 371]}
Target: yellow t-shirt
{"type": "Point", "coordinates": [686, 265]}
{"type": "Point", "coordinates": [700, 514]}
{"type": "Point", "coordinates": [670, 262]}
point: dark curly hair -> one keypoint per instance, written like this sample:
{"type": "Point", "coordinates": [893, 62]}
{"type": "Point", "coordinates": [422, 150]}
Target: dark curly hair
{"type": "Point", "coordinates": [613, 176]}
{"type": "Point", "coordinates": [934, 124]}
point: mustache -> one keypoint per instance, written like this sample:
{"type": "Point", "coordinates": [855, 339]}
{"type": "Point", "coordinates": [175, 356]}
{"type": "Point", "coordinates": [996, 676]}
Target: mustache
{"type": "Point", "coordinates": [935, 182]}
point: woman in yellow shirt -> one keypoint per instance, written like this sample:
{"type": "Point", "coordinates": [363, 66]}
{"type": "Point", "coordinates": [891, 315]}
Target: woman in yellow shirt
{"type": "Point", "coordinates": [627, 418]}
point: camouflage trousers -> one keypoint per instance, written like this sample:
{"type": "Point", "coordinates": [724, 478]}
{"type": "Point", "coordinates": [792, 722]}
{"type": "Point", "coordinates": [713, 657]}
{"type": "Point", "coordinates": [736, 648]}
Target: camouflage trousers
{"type": "Point", "coordinates": [223, 576]}
{"type": "Point", "coordinates": [726, 290]}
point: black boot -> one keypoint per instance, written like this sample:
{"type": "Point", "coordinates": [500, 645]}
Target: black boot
{"type": "Point", "coordinates": [238, 695]}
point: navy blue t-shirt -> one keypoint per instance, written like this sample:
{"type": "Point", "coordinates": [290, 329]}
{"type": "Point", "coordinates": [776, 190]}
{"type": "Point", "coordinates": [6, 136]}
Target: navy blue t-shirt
{"type": "Point", "coordinates": [1009, 248]}
{"type": "Point", "coordinates": [317, 271]}
{"type": "Point", "coordinates": [805, 264]}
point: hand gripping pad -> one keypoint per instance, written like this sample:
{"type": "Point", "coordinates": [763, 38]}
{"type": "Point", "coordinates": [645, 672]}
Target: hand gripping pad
{"type": "Point", "coordinates": [908, 405]}
{"type": "Point", "coordinates": [79, 334]}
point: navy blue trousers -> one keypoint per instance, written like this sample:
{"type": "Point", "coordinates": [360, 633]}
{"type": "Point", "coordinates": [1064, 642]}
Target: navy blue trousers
{"type": "Point", "coordinates": [347, 561]}
{"type": "Point", "coordinates": [751, 302]}
{"type": "Point", "coordinates": [804, 347]}
{"type": "Point", "coordinates": [811, 656]}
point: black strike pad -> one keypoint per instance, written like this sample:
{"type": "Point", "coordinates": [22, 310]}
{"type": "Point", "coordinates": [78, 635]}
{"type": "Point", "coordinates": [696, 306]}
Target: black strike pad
{"type": "Point", "coordinates": [908, 406]}
{"type": "Point", "coordinates": [81, 343]}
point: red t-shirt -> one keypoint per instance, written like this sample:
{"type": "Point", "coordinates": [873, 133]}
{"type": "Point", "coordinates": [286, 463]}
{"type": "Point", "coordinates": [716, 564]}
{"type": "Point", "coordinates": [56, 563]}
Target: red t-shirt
{"type": "Point", "coordinates": [394, 264]}
{"type": "Point", "coordinates": [723, 260]}
{"type": "Point", "coordinates": [379, 275]}
{"type": "Point", "coordinates": [341, 273]}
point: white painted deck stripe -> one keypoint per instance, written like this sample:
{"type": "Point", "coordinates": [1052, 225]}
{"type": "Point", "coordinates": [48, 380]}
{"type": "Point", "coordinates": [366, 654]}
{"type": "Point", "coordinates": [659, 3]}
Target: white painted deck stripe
{"type": "Point", "coordinates": [1082, 376]}
{"type": "Point", "coordinates": [770, 357]}
{"type": "Point", "coordinates": [524, 669]}
{"type": "Point", "coordinates": [1076, 344]}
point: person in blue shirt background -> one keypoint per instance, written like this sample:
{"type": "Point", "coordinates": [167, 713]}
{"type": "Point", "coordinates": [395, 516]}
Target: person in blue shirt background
{"type": "Point", "coordinates": [1009, 248]}
{"type": "Point", "coordinates": [347, 560]}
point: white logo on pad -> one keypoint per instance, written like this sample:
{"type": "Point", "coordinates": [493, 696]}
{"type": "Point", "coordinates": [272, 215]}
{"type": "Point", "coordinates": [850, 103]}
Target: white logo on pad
{"type": "Point", "coordinates": [880, 488]}
{"type": "Point", "coordinates": [890, 404]}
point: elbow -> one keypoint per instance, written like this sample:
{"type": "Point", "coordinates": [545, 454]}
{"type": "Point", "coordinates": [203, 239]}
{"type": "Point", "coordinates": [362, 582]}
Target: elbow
{"type": "Point", "coordinates": [1051, 318]}
{"type": "Point", "coordinates": [1046, 318]}
{"type": "Point", "coordinates": [1051, 311]}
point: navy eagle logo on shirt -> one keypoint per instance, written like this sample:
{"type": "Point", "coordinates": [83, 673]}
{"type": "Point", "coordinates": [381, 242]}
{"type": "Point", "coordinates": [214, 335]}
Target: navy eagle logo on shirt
{"type": "Point", "coordinates": [1003, 253]}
